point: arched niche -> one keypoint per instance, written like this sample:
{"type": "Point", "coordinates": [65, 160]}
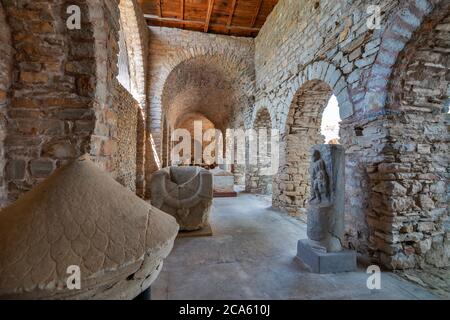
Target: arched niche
{"type": "Point", "coordinates": [258, 172]}
{"type": "Point", "coordinates": [302, 130]}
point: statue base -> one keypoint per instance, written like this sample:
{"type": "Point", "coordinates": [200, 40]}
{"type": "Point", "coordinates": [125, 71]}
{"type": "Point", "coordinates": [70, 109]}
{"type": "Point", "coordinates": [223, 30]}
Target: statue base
{"type": "Point", "coordinates": [206, 231]}
{"type": "Point", "coordinates": [325, 262]}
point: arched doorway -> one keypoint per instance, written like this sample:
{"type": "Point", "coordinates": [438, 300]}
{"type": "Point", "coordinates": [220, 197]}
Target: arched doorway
{"type": "Point", "coordinates": [259, 177]}
{"type": "Point", "coordinates": [303, 129]}
{"type": "Point", "coordinates": [201, 89]}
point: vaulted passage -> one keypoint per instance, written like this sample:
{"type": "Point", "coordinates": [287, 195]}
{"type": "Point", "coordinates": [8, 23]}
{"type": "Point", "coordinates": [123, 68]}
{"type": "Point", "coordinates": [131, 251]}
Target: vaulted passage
{"type": "Point", "coordinates": [259, 174]}
{"type": "Point", "coordinates": [223, 149]}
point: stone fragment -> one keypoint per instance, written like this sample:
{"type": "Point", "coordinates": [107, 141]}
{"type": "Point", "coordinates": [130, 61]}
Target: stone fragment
{"type": "Point", "coordinates": [185, 193]}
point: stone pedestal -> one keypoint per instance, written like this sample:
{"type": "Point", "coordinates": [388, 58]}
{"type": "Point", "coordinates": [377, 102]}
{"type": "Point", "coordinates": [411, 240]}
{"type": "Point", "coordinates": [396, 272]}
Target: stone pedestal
{"type": "Point", "coordinates": [223, 183]}
{"type": "Point", "coordinates": [323, 251]}
{"type": "Point", "coordinates": [320, 261]}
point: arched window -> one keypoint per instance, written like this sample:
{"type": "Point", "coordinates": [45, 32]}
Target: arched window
{"type": "Point", "coordinates": [330, 122]}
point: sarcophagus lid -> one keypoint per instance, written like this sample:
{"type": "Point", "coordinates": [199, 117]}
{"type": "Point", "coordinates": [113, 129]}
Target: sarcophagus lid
{"type": "Point", "coordinates": [80, 216]}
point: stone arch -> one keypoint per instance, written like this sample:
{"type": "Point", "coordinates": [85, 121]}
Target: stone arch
{"type": "Point", "coordinates": [320, 79]}
{"type": "Point", "coordinates": [125, 158]}
{"type": "Point", "coordinates": [199, 73]}
{"type": "Point", "coordinates": [411, 180]}
{"type": "Point", "coordinates": [327, 73]}
{"type": "Point", "coordinates": [227, 59]}
{"type": "Point", "coordinates": [134, 31]}
{"type": "Point", "coordinates": [300, 132]}
{"type": "Point", "coordinates": [6, 66]}
{"type": "Point", "coordinates": [400, 30]}
{"type": "Point", "coordinates": [231, 65]}
{"type": "Point", "coordinates": [258, 176]}
{"type": "Point", "coordinates": [261, 106]}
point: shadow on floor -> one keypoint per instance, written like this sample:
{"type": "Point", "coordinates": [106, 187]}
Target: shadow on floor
{"type": "Point", "coordinates": [251, 256]}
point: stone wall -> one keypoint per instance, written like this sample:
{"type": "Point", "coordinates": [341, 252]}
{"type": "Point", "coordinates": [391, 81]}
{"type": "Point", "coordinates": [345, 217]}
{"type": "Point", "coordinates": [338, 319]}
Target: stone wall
{"type": "Point", "coordinates": [302, 131]}
{"type": "Point", "coordinates": [136, 41]}
{"type": "Point", "coordinates": [60, 105]}
{"type": "Point", "coordinates": [410, 216]}
{"type": "Point", "coordinates": [125, 159]}
{"type": "Point", "coordinates": [6, 60]}
{"type": "Point", "coordinates": [140, 153]}
{"type": "Point", "coordinates": [104, 17]}
{"type": "Point", "coordinates": [330, 41]}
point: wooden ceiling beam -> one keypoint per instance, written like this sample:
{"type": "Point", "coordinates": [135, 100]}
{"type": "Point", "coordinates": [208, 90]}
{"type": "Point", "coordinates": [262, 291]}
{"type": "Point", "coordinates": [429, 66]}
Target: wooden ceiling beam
{"type": "Point", "coordinates": [258, 8]}
{"type": "Point", "coordinates": [231, 14]}
{"type": "Point", "coordinates": [155, 18]}
{"type": "Point", "coordinates": [160, 8]}
{"type": "Point", "coordinates": [208, 14]}
{"type": "Point", "coordinates": [182, 8]}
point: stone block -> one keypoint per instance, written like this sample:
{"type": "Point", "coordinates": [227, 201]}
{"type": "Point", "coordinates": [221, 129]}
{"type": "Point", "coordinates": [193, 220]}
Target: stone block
{"type": "Point", "coordinates": [325, 262]}
{"type": "Point", "coordinates": [15, 169]}
{"type": "Point", "coordinates": [41, 168]}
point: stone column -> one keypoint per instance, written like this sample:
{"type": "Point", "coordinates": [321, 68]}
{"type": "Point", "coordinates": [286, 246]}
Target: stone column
{"type": "Point", "coordinates": [323, 251]}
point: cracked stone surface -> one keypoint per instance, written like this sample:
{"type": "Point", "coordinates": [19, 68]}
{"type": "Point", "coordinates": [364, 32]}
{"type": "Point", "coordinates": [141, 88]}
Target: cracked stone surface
{"type": "Point", "coordinates": [117, 240]}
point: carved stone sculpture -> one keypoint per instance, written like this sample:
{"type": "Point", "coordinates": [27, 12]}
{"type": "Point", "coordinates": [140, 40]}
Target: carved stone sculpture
{"type": "Point", "coordinates": [323, 251]}
{"type": "Point", "coordinates": [185, 193]}
{"type": "Point", "coordinates": [326, 207]}
{"type": "Point", "coordinates": [81, 218]}
{"type": "Point", "coordinates": [320, 183]}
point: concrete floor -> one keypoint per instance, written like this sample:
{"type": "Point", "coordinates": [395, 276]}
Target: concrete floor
{"type": "Point", "coordinates": [251, 256]}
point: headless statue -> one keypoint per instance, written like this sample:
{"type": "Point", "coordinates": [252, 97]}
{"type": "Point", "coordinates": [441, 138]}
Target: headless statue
{"type": "Point", "coordinates": [319, 179]}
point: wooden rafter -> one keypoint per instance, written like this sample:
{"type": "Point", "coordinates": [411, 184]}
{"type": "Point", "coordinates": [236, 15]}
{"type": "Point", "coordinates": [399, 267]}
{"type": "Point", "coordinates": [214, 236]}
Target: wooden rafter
{"type": "Point", "coordinates": [230, 16]}
{"type": "Point", "coordinates": [182, 8]}
{"type": "Point", "coordinates": [195, 23]}
{"type": "Point", "coordinates": [258, 8]}
{"type": "Point", "coordinates": [242, 18]}
{"type": "Point", "coordinates": [208, 14]}
{"type": "Point", "coordinates": [160, 8]}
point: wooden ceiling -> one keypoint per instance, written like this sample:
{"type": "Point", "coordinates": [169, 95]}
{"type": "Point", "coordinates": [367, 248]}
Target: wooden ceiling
{"type": "Point", "coordinates": [241, 18]}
